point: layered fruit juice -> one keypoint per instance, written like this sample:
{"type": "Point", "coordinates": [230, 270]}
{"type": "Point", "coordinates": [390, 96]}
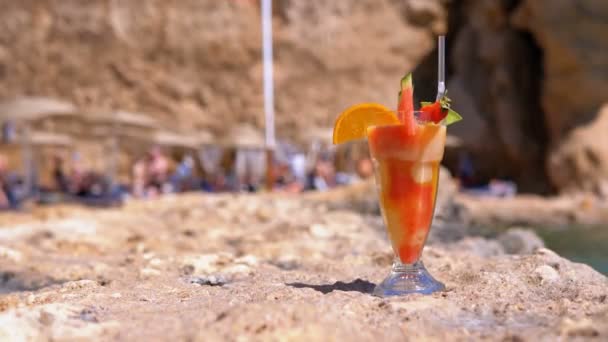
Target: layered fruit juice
{"type": "Point", "coordinates": [407, 171]}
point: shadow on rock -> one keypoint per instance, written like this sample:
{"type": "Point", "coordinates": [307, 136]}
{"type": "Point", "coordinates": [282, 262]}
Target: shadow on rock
{"type": "Point", "coordinates": [24, 281]}
{"type": "Point", "coordinates": [357, 285]}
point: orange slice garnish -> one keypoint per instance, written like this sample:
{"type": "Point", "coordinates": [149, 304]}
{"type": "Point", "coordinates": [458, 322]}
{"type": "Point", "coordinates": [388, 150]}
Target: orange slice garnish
{"type": "Point", "coordinates": [352, 124]}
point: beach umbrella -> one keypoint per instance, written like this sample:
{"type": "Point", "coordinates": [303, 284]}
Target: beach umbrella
{"type": "Point", "coordinates": [244, 136]}
{"type": "Point", "coordinates": [115, 125]}
{"type": "Point", "coordinates": [27, 109]}
{"type": "Point", "coordinates": [205, 138]}
{"type": "Point", "coordinates": [41, 140]}
{"type": "Point", "coordinates": [249, 144]}
{"type": "Point", "coordinates": [174, 139]}
{"type": "Point", "coordinates": [119, 122]}
{"type": "Point", "coordinates": [318, 135]}
{"type": "Point", "coordinates": [209, 153]}
{"type": "Point", "coordinates": [22, 111]}
{"type": "Point", "coordinates": [50, 139]}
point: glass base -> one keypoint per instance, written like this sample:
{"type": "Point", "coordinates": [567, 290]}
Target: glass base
{"type": "Point", "coordinates": [405, 279]}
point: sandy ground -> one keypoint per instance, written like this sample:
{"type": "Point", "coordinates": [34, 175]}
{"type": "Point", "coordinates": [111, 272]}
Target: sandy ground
{"type": "Point", "coordinates": [230, 267]}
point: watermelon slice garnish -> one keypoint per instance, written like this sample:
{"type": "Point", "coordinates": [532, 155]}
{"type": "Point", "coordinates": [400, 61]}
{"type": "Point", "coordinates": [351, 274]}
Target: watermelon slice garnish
{"type": "Point", "coordinates": [405, 108]}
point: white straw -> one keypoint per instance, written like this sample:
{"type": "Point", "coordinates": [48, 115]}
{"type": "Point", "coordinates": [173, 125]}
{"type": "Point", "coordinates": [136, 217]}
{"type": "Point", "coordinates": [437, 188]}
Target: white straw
{"type": "Point", "coordinates": [441, 67]}
{"type": "Point", "coordinates": [268, 77]}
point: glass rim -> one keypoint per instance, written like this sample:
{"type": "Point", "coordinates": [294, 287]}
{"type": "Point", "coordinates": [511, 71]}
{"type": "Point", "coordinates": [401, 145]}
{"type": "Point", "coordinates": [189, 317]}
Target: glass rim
{"type": "Point", "coordinates": [416, 116]}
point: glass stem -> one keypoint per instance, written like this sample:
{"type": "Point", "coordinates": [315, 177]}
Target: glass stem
{"type": "Point", "coordinates": [399, 267]}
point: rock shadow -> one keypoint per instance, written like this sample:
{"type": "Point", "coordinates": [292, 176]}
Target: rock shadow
{"type": "Point", "coordinates": [24, 281]}
{"type": "Point", "coordinates": [357, 285]}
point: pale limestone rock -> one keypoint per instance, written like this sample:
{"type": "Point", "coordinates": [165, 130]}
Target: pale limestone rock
{"type": "Point", "coordinates": [273, 279]}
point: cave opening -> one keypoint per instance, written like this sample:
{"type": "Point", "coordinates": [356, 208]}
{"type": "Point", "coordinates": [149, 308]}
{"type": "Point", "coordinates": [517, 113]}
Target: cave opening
{"type": "Point", "coordinates": [514, 142]}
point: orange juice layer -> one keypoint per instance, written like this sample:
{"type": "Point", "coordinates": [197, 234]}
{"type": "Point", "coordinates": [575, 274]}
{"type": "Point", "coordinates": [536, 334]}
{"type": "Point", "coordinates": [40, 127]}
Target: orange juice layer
{"type": "Point", "coordinates": [407, 170]}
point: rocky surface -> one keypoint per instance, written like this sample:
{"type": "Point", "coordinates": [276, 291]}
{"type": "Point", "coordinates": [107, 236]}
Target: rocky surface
{"type": "Point", "coordinates": [520, 241]}
{"type": "Point", "coordinates": [580, 161]}
{"type": "Point", "coordinates": [533, 210]}
{"type": "Point", "coordinates": [268, 267]}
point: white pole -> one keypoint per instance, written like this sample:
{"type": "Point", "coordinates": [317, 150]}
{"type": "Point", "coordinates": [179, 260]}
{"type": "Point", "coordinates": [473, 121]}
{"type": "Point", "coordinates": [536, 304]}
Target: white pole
{"type": "Point", "coordinates": [440, 67]}
{"type": "Point", "coordinates": [268, 76]}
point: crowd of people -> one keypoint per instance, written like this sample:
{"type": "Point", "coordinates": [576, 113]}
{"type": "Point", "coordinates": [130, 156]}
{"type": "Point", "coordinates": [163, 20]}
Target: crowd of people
{"type": "Point", "coordinates": [156, 173]}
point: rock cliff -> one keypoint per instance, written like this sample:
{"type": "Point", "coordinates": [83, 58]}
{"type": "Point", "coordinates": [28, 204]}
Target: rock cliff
{"type": "Point", "coordinates": [197, 64]}
{"type": "Point", "coordinates": [575, 78]}
{"type": "Point", "coordinates": [524, 73]}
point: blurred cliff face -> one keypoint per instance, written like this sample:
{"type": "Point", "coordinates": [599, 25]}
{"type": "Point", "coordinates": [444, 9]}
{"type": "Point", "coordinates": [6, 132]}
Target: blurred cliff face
{"type": "Point", "coordinates": [524, 73]}
{"type": "Point", "coordinates": [197, 63]}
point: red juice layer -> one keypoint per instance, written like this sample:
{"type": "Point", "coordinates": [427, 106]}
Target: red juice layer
{"type": "Point", "coordinates": [407, 171]}
{"type": "Point", "coordinates": [407, 204]}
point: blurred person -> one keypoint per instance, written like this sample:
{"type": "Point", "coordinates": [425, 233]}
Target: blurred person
{"type": "Point", "coordinates": [157, 172]}
{"type": "Point", "coordinates": [298, 164]}
{"type": "Point", "coordinates": [12, 188]}
{"type": "Point", "coordinates": [323, 176]}
{"type": "Point", "coordinates": [138, 178]}
{"type": "Point", "coordinates": [249, 167]}
{"type": "Point", "coordinates": [285, 180]}
{"type": "Point", "coordinates": [502, 188]}
{"type": "Point", "coordinates": [183, 178]}
{"type": "Point", "coordinates": [494, 188]}
{"type": "Point", "coordinates": [210, 158]}
{"type": "Point", "coordinates": [221, 183]}
{"type": "Point", "coordinates": [6, 195]}
{"type": "Point", "coordinates": [295, 187]}
{"type": "Point", "coordinates": [466, 170]}
{"type": "Point", "coordinates": [62, 182]}
{"type": "Point", "coordinates": [93, 185]}
{"type": "Point", "coordinates": [365, 168]}
{"type": "Point", "coordinates": [248, 184]}
{"type": "Point", "coordinates": [76, 174]}
{"type": "Point", "coordinates": [289, 168]}
{"type": "Point", "coordinates": [9, 132]}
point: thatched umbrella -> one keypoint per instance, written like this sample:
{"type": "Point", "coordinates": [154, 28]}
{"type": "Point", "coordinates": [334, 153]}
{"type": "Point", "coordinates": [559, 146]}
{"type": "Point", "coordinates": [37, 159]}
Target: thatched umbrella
{"type": "Point", "coordinates": [50, 139]}
{"type": "Point", "coordinates": [27, 109]}
{"type": "Point", "coordinates": [115, 125]}
{"type": "Point", "coordinates": [42, 140]}
{"type": "Point", "coordinates": [205, 138]}
{"type": "Point", "coordinates": [248, 142]}
{"type": "Point", "coordinates": [37, 143]}
{"type": "Point", "coordinates": [22, 112]}
{"type": "Point", "coordinates": [121, 124]}
{"type": "Point", "coordinates": [192, 141]}
{"type": "Point", "coordinates": [199, 143]}
{"type": "Point", "coordinates": [245, 137]}
{"type": "Point", "coordinates": [173, 139]}
{"type": "Point", "coordinates": [209, 151]}
{"type": "Point", "coordinates": [317, 135]}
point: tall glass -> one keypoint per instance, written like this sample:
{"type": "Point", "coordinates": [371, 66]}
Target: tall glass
{"type": "Point", "coordinates": [407, 172]}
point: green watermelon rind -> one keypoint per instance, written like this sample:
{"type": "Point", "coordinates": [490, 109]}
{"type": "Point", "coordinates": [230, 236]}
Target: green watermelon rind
{"type": "Point", "coordinates": [406, 83]}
